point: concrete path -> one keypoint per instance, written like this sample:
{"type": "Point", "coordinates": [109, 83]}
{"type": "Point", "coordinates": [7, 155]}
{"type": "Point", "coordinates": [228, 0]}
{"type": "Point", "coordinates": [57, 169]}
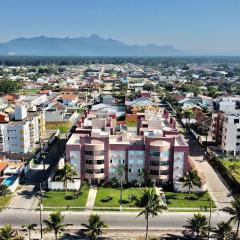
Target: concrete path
{"type": "Point", "coordinates": [23, 199]}
{"type": "Point", "coordinates": [91, 198]}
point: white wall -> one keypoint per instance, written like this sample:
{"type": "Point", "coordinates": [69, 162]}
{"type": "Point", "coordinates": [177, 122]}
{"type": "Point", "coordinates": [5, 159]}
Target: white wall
{"type": "Point", "coordinates": [178, 187]}
{"type": "Point", "coordinates": [116, 157]}
{"type": "Point", "coordinates": [178, 165]}
{"type": "Point", "coordinates": [55, 185]}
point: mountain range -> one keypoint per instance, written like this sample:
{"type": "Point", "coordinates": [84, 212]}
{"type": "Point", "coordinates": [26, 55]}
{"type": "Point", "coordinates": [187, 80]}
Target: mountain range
{"type": "Point", "coordinates": [83, 46]}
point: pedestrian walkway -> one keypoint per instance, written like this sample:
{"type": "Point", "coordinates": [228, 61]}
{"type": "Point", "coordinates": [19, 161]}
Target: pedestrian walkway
{"type": "Point", "coordinates": [91, 198]}
{"type": "Point", "coordinates": [23, 199]}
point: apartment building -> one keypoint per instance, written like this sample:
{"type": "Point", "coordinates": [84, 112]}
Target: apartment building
{"type": "Point", "coordinates": [21, 133]}
{"type": "Point", "coordinates": [99, 146]}
{"type": "Point", "coordinates": [231, 134]}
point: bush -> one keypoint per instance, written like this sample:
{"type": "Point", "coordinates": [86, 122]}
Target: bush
{"type": "Point", "coordinates": [132, 198]}
{"type": "Point", "coordinates": [106, 199]}
{"type": "Point", "coordinates": [68, 197]}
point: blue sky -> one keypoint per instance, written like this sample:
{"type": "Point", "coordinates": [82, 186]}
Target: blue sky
{"type": "Point", "coordinates": [211, 25]}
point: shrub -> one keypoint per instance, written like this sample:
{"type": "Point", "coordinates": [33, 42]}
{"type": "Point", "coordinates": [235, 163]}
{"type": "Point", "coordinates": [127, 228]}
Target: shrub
{"type": "Point", "coordinates": [68, 197]}
{"type": "Point", "coordinates": [106, 199]}
{"type": "Point", "coordinates": [132, 198]}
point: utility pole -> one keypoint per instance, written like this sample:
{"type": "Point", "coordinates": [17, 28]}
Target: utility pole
{"type": "Point", "coordinates": [209, 220]}
{"type": "Point", "coordinates": [41, 208]}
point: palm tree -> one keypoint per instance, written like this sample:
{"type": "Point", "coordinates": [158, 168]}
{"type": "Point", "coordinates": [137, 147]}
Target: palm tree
{"type": "Point", "coordinates": [29, 228]}
{"type": "Point", "coordinates": [66, 174]}
{"type": "Point", "coordinates": [55, 223]}
{"type": "Point", "coordinates": [197, 226]}
{"type": "Point", "coordinates": [143, 176]}
{"type": "Point", "coordinates": [94, 226]}
{"type": "Point", "coordinates": [234, 211]}
{"type": "Point", "coordinates": [223, 231]}
{"type": "Point", "coordinates": [150, 202]}
{"type": "Point", "coordinates": [191, 179]}
{"type": "Point", "coordinates": [120, 173]}
{"type": "Point", "coordinates": [7, 233]}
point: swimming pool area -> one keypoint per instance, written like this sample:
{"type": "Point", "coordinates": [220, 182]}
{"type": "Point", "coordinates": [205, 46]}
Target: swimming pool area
{"type": "Point", "coordinates": [8, 181]}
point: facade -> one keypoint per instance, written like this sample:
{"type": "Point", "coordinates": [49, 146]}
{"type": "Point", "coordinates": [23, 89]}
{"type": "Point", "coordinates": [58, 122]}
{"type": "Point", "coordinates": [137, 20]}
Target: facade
{"type": "Point", "coordinates": [98, 148]}
{"type": "Point", "coordinates": [231, 134]}
{"type": "Point", "coordinates": [20, 134]}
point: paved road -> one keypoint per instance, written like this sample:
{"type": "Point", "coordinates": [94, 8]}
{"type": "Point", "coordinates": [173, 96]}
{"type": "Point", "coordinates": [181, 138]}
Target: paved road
{"type": "Point", "coordinates": [216, 187]}
{"type": "Point", "coordinates": [115, 220]}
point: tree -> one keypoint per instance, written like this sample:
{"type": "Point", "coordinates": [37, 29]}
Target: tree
{"type": "Point", "coordinates": [29, 228]}
{"type": "Point", "coordinates": [197, 226]}
{"type": "Point", "coordinates": [7, 233]}
{"type": "Point", "coordinates": [191, 179]}
{"type": "Point", "coordinates": [234, 211]}
{"type": "Point", "coordinates": [4, 190]}
{"type": "Point", "coordinates": [120, 173]}
{"type": "Point", "coordinates": [55, 223]}
{"type": "Point", "coordinates": [150, 202]}
{"type": "Point", "coordinates": [8, 86]}
{"type": "Point", "coordinates": [94, 226]}
{"type": "Point", "coordinates": [66, 174]}
{"type": "Point", "coordinates": [148, 87]}
{"type": "Point", "coordinates": [223, 231]}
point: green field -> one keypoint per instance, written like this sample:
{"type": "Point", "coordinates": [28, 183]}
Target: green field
{"type": "Point", "coordinates": [4, 201]}
{"type": "Point", "coordinates": [233, 167]}
{"type": "Point", "coordinates": [53, 199]}
{"type": "Point", "coordinates": [115, 194]}
{"type": "Point", "coordinates": [179, 200]}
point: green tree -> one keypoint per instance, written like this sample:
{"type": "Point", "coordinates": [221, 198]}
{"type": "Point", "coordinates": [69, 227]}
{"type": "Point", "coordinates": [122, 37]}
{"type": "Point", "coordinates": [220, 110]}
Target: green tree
{"type": "Point", "coordinates": [120, 173]}
{"type": "Point", "coordinates": [9, 86]}
{"type": "Point", "coordinates": [148, 87]}
{"type": "Point", "coordinates": [191, 179]}
{"type": "Point", "coordinates": [150, 202]}
{"type": "Point", "coordinates": [55, 223]}
{"type": "Point", "coordinates": [7, 233]}
{"type": "Point", "coordinates": [29, 228]}
{"type": "Point", "coordinates": [223, 231]}
{"type": "Point", "coordinates": [234, 211]}
{"type": "Point", "coordinates": [4, 190]}
{"type": "Point", "coordinates": [66, 174]}
{"type": "Point", "coordinates": [197, 226]}
{"type": "Point", "coordinates": [94, 226]}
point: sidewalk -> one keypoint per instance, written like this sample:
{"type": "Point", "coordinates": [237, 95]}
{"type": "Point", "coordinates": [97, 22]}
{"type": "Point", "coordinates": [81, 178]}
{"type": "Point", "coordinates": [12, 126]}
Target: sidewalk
{"type": "Point", "coordinates": [23, 199]}
{"type": "Point", "coordinates": [91, 198]}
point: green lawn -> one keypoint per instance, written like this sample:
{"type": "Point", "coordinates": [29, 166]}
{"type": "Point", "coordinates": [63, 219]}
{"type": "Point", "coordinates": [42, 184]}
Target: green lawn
{"type": "Point", "coordinates": [115, 194]}
{"type": "Point", "coordinates": [131, 123]}
{"type": "Point", "coordinates": [179, 200]}
{"type": "Point", "coordinates": [233, 167]}
{"type": "Point", "coordinates": [28, 91]}
{"type": "Point", "coordinates": [4, 201]}
{"type": "Point", "coordinates": [56, 199]}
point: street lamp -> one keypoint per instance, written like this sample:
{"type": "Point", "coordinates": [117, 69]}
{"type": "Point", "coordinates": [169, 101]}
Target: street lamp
{"type": "Point", "coordinates": [41, 208]}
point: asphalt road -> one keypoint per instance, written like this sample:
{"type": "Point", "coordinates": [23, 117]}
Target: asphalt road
{"type": "Point", "coordinates": [115, 220]}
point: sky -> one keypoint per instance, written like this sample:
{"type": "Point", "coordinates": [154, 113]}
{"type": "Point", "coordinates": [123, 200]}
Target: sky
{"type": "Point", "coordinates": [200, 25]}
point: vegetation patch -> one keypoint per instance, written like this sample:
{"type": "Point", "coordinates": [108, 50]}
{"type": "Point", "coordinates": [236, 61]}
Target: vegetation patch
{"type": "Point", "coordinates": [180, 200]}
{"type": "Point", "coordinates": [61, 199]}
{"type": "Point", "coordinates": [63, 127]}
{"type": "Point", "coordinates": [112, 195]}
{"type": "Point", "coordinates": [233, 166]}
{"type": "Point", "coordinates": [4, 201]}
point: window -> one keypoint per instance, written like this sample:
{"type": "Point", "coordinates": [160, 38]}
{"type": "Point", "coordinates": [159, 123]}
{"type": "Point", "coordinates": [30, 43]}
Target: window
{"type": "Point", "coordinates": [159, 154]}
{"type": "Point", "coordinates": [236, 121]}
{"type": "Point", "coordinates": [129, 170]}
{"type": "Point", "coordinates": [139, 170]}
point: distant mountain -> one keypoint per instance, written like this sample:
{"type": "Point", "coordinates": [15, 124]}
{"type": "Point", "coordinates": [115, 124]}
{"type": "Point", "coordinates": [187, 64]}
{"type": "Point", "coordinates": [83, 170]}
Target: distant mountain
{"type": "Point", "coordinates": [84, 46]}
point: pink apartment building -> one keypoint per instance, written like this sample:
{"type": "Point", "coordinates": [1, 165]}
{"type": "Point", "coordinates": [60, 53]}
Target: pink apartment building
{"type": "Point", "coordinates": [99, 146]}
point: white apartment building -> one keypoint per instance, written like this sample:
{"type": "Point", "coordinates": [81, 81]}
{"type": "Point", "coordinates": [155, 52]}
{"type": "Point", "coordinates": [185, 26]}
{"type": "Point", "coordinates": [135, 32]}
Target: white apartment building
{"type": "Point", "coordinates": [231, 134]}
{"type": "Point", "coordinates": [20, 134]}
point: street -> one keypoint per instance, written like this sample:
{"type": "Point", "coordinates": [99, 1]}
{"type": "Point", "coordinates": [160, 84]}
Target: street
{"type": "Point", "coordinates": [115, 220]}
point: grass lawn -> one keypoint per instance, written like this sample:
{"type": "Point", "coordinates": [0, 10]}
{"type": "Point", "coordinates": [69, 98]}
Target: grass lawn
{"type": "Point", "coordinates": [63, 127]}
{"type": "Point", "coordinates": [28, 91]}
{"type": "Point", "coordinates": [115, 194]}
{"type": "Point", "coordinates": [179, 200]}
{"type": "Point", "coordinates": [233, 167]}
{"type": "Point", "coordinates": [131, 123]}
{"type": "Point", "coordinates": [56, 199]}
{"type": "Point", "coordinates": [4, 201]}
